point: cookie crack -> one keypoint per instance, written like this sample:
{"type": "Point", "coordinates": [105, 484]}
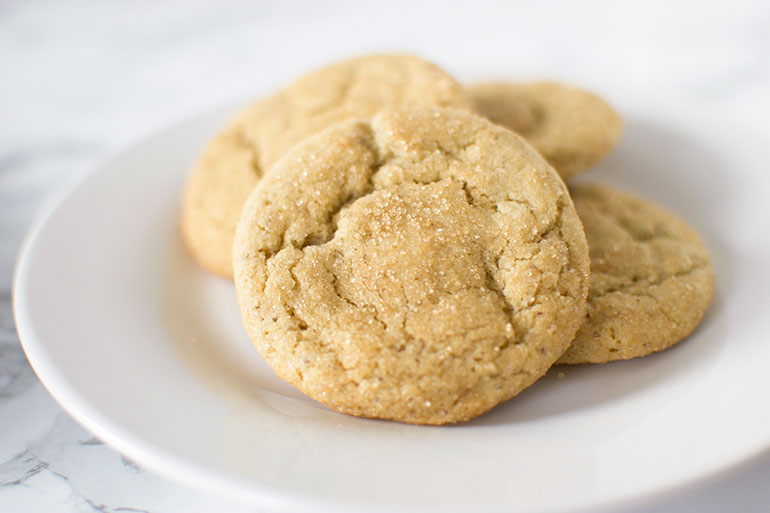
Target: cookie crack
{"type": "Point", "coordinates": [555, 224]}
{"type": "Point", "coordinates": [626, 288]}
{"type": "Point", "coordinates": [247, 144]}
{"type": "Point", "coordinates": [289, 305]}
{"type": "Point", "coordinates": [499, 289]}
{"type": "Point", "coordinates": [522, 371]}
{"type": "Point", "coordinates": [634, 234]}
{"type": "Point", "coordinates": [332, 216]}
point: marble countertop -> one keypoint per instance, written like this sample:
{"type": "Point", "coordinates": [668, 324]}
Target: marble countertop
{"type": "Point", "coordinates": [83, 78]}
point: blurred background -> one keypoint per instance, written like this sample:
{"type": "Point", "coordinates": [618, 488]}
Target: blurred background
{"type": "Point", "coordinates": [80, 79]}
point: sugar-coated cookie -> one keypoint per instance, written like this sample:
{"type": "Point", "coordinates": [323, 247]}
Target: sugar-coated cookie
{"type": "Point", "coordinates": [651, 277]}
{"type": "Point", "coordinates": [573, 129]}
{"type": "Point", "coordinates": [422, 267]}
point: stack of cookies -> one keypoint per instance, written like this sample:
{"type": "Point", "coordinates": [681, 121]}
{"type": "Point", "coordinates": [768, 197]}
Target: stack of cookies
{"type": "Point", "coordinates": [406, 248]}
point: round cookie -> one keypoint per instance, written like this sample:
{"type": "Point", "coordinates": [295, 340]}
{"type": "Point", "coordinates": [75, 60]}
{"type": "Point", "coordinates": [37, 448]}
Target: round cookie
{"type": "Point", "coordinates": [422, 267]}
{"type": "Point", "coordinates": [571, 128]}
{"type": "Point", "coordinates": [235, 160]}
{"type": "Point", "coordinates": [651, 277]}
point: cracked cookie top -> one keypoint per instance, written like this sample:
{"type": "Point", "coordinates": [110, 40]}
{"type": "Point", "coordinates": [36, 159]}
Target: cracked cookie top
{"type": "Point", "coordinates": [235, 160]}
{"type": "Point", "coordinates": [651, 277]}
{"type": "Point", "coordinates": [571, 128]}
{"type": "Point", "coordinates": [422, 267]}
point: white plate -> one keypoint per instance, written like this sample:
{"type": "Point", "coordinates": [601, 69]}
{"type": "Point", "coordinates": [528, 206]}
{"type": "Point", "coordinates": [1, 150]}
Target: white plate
{"type": "Point", "coordinates": [147, 351]}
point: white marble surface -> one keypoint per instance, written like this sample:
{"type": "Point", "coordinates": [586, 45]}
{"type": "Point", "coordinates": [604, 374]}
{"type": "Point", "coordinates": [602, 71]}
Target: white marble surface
{"type": "Point", "coordinates": [79, 79]}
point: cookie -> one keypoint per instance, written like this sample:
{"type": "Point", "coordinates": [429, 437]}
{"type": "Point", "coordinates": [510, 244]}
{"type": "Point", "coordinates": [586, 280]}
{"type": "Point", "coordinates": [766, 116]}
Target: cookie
{"type": "Point", "coordinates": [651, 277]}
{"type": "Point", "coordinates": [571, 128]}
{"type": "Point", "coordinates": [233, 162]}
{"type": "Point", "coordinates": [421, 267]}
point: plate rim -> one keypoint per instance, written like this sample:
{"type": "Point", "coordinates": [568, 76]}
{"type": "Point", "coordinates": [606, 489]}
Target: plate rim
{"type": "Point", "coordinates": [176, 468]}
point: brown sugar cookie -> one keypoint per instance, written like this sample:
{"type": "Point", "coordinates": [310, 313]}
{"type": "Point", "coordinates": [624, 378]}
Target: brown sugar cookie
{"type": "Point", "coordinates": [234, 161]}
{"type": "Point", "coordinates": [651, 277]}
{"type": "Point", "coordinates": [571, 128]}
{"type": "Point", "coordinates": [422, 267]}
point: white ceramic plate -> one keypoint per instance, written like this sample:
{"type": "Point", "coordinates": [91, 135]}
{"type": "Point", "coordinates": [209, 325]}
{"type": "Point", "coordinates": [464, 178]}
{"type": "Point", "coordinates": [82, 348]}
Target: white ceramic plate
{"type": "Point", "coordinates": [147, 351]}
